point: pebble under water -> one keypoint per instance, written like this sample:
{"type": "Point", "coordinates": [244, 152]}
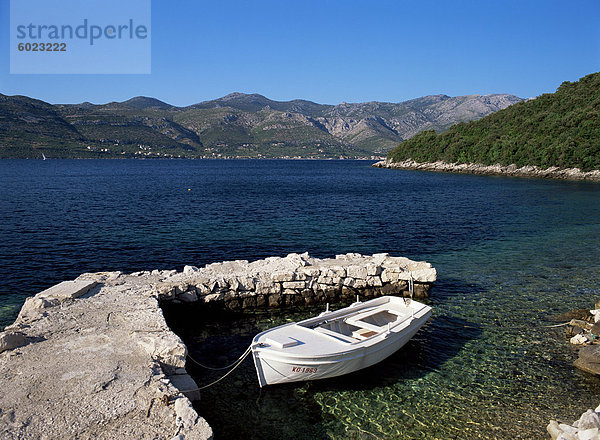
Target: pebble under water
{"type": "Point", "coordinates": [510, 253]}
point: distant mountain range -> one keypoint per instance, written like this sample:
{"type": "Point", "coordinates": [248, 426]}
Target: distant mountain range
{"type": "Point", "coordinates": [236, 125]}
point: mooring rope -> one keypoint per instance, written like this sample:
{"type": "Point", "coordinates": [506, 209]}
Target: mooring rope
{"type": "Point", "coordinates": [239, 362]}
{"type": "Point", "coordinates": [556, 325]}
{"type": "Point", "coordinates": [236, 364]}
{"type": "Point", "coordinates": [218, 368]}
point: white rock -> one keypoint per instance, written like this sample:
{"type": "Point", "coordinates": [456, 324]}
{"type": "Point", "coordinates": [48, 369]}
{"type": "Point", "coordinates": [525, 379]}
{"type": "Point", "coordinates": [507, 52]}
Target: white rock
{"type": "Point", "coordinates": [282, 276]}
{"type": "Point", "coordinates": [374, 281]}
{"type": "Point", "coordinates": [267, 288]}
{"type": "Point", "coordinates": [336, 272]}
{"type": "Point", "coordinates": [188, 270]}
{"type": "Point", "coordinates": [234, 284]}
{"type": "Point", "coordinates": [568, 429]}
{"type": "Point", "coordinates": [579, 339]}
{"type": "Point", "coordinates": [166, 347]}
{"type": "Point", "coordinates": [588, 434]}
{"type": "Point", "coordinates": [588, 420]}
{"type": "Point", "coordinates": [57, 294]}
{"type": "Point", "coordinates": [294, 285]}
{"type": "Point", "coordinates": [213, 297]}
{"type": "Point", "coordinates": [203, 289]}
{"type": "Point", "coordinates": [553, 429]}
{"type": "Point", "coordinates": [311, 271]}
{"type": "Point", "coordinates": [373, 269]}
{"type": "Point", "coordinates": [380, 258]}
{"type": "Point", "coordinates": [424, 275]}
{"type": "Point", "coordinates": [297, 260]}
{"type": "Point", "coordinates": [349, 282]}
{"type": "Point", "coordinates": [299, 276]}
{"type": "Point", "coordinates": [360, 284]}
{"type": "Point", "coordinates": [388, 276]}
{"type": "Point", "coordinates": [357, 272]}
{"type": "Point", "coordinates": [325, 280]}
{"type": "Point", "coordinates": [186, 415]}
{"type": "Point", "coordinates": [246, 283]}
{"type": "Point", "coordinates": [186, 384]}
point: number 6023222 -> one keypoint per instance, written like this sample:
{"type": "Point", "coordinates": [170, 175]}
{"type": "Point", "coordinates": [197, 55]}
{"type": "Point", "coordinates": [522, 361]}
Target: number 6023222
{"type": "Point", "coordinates": [42, 47]}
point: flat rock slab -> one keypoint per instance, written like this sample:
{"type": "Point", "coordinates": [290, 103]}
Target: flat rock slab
{"type": "Point", "coordinates": [96, 367]}
{"type": "Point", "coordinates": [68, 289]}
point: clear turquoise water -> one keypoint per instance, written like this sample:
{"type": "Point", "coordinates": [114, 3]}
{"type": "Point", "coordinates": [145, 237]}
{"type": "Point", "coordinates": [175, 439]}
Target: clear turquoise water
{"type": "Point", "coordinates": [509, 253]}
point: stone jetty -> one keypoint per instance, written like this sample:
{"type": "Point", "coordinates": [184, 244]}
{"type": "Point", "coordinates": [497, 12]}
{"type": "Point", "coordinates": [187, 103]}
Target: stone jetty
{"type": "Point", "coordinates": [298, 279]}
{"type": "Point", "coordinates": [93, 358]}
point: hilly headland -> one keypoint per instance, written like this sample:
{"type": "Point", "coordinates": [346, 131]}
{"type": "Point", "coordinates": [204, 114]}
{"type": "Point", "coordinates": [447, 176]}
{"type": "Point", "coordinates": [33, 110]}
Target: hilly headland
{"type": "Point", "coordinates": [554, 135]}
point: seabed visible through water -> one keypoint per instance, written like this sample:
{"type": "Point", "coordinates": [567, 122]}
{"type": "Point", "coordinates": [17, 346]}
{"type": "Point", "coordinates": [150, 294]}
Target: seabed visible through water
{"type": "Point", "coordinates": [509, 253]}
{"type": "Point", "coordinates": [457, 378]}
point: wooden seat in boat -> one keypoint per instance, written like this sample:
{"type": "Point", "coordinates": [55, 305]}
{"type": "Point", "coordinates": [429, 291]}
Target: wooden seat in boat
{"type": "Point", "coordinates": [363, 333]}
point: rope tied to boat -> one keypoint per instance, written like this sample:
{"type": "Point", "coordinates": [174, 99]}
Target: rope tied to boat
{"type": "Point", "coordinates": [245, 353]}
{"type": "Point", "coordinates": [236, 364]}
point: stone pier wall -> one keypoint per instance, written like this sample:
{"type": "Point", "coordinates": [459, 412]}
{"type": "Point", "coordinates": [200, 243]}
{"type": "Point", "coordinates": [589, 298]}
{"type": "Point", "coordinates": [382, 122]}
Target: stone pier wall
{"type": "Point", "coordinates": [94, 357]}
{"type": "Point", "coordinates": [297, 279]}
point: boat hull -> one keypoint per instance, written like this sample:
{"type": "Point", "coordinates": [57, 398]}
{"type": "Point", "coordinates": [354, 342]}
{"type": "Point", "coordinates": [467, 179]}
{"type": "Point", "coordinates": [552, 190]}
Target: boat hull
{"type": "Point", "coordinates": [276, 368]}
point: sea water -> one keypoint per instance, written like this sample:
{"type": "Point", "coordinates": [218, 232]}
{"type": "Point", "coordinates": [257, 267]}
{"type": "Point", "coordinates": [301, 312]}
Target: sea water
{"type": "Point", "coordinates": [509, 253]}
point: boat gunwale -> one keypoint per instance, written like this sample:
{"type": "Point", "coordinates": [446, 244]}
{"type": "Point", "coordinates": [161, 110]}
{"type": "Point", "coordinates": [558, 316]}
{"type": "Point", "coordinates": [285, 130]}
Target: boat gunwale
{"type": "Point", "coordinates": [336, 357]}
{"type": "Point", "coordinates": [423, 313]}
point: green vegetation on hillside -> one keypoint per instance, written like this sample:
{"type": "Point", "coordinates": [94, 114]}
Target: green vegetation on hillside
{"type": "Point", "coordinates": [559, 129]}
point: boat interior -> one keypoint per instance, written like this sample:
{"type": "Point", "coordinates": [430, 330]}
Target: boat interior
{"type": "Point", "coordinates": [360, 326]}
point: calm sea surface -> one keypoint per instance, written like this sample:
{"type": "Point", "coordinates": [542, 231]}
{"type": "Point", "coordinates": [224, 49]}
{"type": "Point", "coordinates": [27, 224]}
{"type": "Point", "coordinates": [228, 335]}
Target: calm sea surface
{"type": "Point", "coordinates": [509, 253]}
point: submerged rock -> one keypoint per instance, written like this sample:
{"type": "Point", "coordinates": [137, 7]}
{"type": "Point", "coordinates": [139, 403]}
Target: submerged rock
{"type": "Point", "coordinates": [589, 359]}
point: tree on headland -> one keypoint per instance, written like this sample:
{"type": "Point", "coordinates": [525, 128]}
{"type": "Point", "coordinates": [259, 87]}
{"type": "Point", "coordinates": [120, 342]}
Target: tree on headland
{"type": "Point", "coordinates": [555, 129]}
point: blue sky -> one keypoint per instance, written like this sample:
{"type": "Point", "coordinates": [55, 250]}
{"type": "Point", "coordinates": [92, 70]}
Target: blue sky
{"type": "Point", "coordinates": [334, 51]}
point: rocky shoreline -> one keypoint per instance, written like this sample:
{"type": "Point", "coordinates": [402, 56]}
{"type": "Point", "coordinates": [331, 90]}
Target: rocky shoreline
{"type": "Point", "coordinates": [587, 427]}
{"type": "Point", "coordinates": [94, 357]}
{"type": "Point", "coordinates": [493, 170]}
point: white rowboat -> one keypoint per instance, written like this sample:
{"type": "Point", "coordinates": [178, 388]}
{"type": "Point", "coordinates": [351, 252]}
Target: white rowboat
{"type": "Point", "coordinates": [337, 343]}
